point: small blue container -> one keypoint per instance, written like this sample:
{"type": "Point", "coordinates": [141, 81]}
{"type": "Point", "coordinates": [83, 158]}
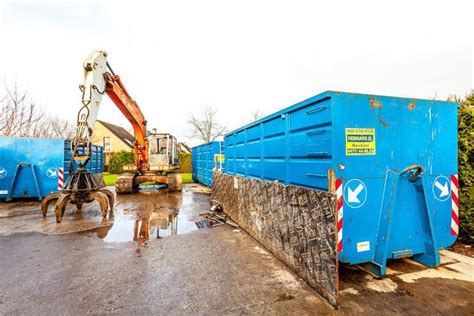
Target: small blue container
{"type": "Point", "coordinates": [205, 158]}
{"type": "Point", "coordinates": [373, 147]}
{"type": "Point", "coordinates": [32, 167]}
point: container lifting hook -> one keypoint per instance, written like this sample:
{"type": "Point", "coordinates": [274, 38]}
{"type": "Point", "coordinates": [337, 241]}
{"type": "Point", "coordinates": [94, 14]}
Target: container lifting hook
{"type": "Point", "coordinates": [413, 175]}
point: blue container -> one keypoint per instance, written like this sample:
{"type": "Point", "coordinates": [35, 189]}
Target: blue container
{"type": "Point", "coordinates": [204, 158]}
{"type": "Point", "coordinates": [29, 167]}
{"type": "Point", "coordinates": [367, 142]}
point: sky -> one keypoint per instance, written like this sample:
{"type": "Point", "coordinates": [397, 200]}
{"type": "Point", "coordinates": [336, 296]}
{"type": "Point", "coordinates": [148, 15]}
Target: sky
{"type": "Point", "coordinates": [176, 57]}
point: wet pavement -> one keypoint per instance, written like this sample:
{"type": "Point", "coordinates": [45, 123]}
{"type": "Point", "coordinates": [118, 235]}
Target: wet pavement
{"type": "Point", "coordinates": [151, 258]}
{"type": "Point", "coordinates": [148, 215]}
{"type": "Point", "coordinates": [156, 214]}
{"type": "Point", "coordinates": [119, 266]}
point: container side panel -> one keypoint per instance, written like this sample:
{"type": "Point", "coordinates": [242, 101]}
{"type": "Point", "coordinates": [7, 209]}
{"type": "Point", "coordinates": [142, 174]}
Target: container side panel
{"type": "Point", "coordinates": [294, 147]}
{"type": "Point", "coordinates": [274, 169]}
{"type": "Point", "coordinates": [273, 147]}
{"type": "Point", "coordinates": [309, 143]}
{"type": "Point", "coordinates": [310, 172]}
{"type": "Point", "coordinates": [205, 158]}
{"type": "Point", "coordinates": [46, 155]}
{"type": "Point", "coordinates": [316, 142]}
{"type": "Point", "coordinates": [316, 114]}
{"type": "Point", "coordinates": [274, 127]}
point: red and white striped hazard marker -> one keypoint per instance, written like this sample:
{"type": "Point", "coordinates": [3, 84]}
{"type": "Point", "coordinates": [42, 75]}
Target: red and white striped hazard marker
{"type": "Point", "coordinates": [60, 178]}
{"type": "Point", "coordinates": [340, 214]}
{"type": "Point", "coordinates": [454, 205]}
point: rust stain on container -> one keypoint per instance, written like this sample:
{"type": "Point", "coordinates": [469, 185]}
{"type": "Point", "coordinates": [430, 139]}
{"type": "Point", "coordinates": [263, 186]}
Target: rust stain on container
{"type": "Point", "coordinates": [375, 104]}
{"type": "Point", "coordinates": [411, 106]}
{"type": "Point", "coordinates": [382, 121]}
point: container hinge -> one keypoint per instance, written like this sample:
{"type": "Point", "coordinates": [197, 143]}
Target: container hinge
{"type": "Point", "coordinates": [316, 175]}
{"type": "Point", "coordinates": [322, 153]}
{"type": "Point", "coordinates": [319, 131]}
{"type": "Point", "coordinates": [413, 175]}
{"type": "Point", "coordinates": [316, 110]}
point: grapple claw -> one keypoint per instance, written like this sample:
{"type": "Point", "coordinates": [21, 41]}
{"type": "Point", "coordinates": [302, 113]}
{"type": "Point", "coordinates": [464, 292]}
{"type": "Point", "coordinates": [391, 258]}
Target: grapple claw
{"type": "Point", "coordinates": [61, 206]}
{"type": "Point", "coordinates": [111, 197]}
{"type": "Point", "coordinates": [103, 201]}
{"type": "Point", "coordinates": [81, 187]}
{"type": "Point", "coordinates": [46, 202]}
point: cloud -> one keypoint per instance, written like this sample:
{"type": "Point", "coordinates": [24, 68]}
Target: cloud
{"type": "Point", "coordinates": [178, 56]}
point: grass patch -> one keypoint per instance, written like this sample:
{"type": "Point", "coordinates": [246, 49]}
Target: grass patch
{"type": "Point", "coordinates": [110, 179]}
{"type": "Point", "coordinates": [187, 177]}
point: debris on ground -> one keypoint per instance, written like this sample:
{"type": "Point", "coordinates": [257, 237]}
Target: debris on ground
{"type": "Point", "coordinates": [215, 217]}
{"type": "Point", "coordinates": [463, 249]}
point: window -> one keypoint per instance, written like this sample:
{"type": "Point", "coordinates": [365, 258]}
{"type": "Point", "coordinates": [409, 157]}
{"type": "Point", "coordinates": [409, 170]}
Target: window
{"type": "Point", "coordinates": [106, 143]}
{"type": "Point", "coordinates": [153, 143]}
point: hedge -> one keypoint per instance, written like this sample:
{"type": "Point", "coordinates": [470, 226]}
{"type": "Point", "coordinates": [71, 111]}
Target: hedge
{"type": "Point", "coordinates": [119, 159]}
{"type": "Point", "coordinates": [466, 168]}
{"type": "Point", "coordinates": [185, 161]}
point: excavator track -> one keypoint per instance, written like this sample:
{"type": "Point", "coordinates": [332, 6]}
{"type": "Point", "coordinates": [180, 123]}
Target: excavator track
{"type": "Point", "coordinates": [124, 184]}
{"type": "Point", "coordinates": [175, 182]}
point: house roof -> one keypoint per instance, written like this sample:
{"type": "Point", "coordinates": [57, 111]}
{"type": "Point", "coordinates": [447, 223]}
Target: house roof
{"type": "Point", "coordinates": [184, 147]}
{"type": "Point", "coordinates": [120, 132]}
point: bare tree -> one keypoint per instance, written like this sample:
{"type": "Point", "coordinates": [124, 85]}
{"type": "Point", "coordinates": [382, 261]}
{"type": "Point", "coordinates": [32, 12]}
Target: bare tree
{"type": "Point", "coordinates": [453, 98]}
{"type": "Point", "coordinates": [18, 113]}
{"type": "Point", "coordinates": [256, 115]}
{"type": "Point", "coordinates": [205, 126]}
{"type": "Point", "coordinates": [54, 127]}
{"type": "Point", "coordinates": [21, 116]}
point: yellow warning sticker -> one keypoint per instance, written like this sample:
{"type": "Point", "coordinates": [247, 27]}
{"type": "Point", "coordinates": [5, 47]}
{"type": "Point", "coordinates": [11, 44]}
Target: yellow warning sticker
{"type": "Point", "coordinates": [219, 158]}
{"type": "Point", "coordinates": [360, 141]}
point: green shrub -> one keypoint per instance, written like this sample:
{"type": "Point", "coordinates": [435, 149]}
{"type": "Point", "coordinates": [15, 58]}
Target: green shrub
{"type": "Point", "coordinates": [119, 159]}
{"type": "Point", "coordinates": [466, 168]}
{"type": "Point", "coordinates": [185, 161]}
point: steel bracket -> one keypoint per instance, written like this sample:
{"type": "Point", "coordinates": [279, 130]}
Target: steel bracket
{"type": "Point", "coordinates": [430, 256]}
{"type": "Point", "coordinates": [17, 171]}
{"type": "Point", "coordinates": [378, 265]}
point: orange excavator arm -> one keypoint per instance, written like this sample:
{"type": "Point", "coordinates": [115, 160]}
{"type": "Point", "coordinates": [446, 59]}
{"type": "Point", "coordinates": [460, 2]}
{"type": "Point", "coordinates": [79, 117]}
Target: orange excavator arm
{"type": "Point", "coordinates": [130, 109]}
{"type": "Point", "coordinates": [100, 79]}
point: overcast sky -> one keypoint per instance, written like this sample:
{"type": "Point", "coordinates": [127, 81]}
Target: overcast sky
{"type": "Point", "coordinates": [238, 56]}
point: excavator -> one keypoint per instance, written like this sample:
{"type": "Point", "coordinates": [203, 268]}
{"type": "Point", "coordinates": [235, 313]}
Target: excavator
{"type": "Point", "coordinates": [155, 154]}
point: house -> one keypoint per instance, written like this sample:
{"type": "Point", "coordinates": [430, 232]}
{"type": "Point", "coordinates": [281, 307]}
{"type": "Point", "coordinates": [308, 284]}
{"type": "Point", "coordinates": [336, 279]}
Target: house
{"type": "Point", "coordinates": [183, 148]}
{"type": "Point", "coordinates": [112, 137]}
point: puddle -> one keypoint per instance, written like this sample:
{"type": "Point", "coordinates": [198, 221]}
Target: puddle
{"type": "Point", "coordinates": [148, 215]}
{"type": "Point", "coordinates": [151, 215]}
{"type": "Point", "coordinates": [142, 226]}
{"type": "Point", "coordinates": [151, 187]}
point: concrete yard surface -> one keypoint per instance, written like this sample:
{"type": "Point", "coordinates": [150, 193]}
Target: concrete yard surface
{"type": "Point", "coordinates": [151, 258]}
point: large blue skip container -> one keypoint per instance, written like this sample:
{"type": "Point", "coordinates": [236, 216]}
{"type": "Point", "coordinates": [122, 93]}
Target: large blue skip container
{"type": "Point", "coordinates": [32, 167]}
{"type": "Point", "coordinates": [391, 161]}
{"type": "Point", "coordinates": [204, 158]}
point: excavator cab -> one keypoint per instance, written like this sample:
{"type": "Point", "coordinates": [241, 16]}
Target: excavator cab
{"type": "Point", "coordinates": [163, 152]}
{"type": "Point", "coordinates": [163, 162]}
